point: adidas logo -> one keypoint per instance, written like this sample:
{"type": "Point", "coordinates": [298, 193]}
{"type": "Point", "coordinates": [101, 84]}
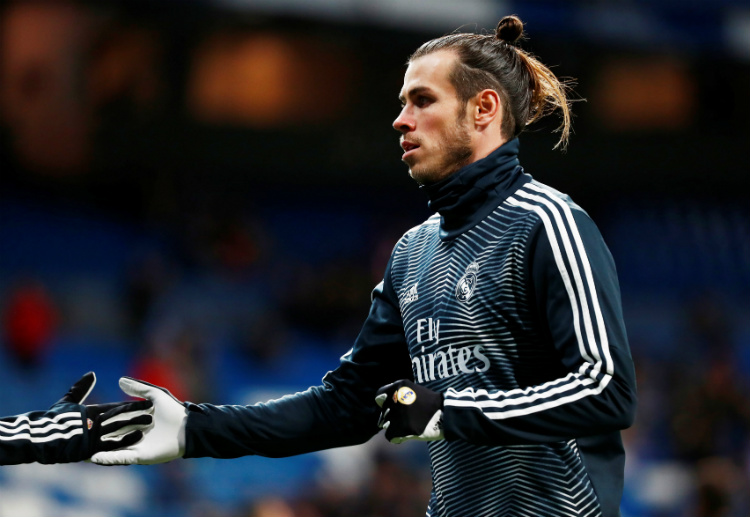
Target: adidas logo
{"type": "Point", "coordinates": [411, 295]}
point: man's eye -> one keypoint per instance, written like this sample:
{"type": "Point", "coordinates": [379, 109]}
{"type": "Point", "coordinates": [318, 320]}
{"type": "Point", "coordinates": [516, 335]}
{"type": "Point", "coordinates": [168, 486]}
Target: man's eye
{"type": "Point", "coordinates": [422, 101]}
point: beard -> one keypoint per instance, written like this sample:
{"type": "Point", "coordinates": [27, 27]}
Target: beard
{"type": "Point", "coordinates": [453, 152]}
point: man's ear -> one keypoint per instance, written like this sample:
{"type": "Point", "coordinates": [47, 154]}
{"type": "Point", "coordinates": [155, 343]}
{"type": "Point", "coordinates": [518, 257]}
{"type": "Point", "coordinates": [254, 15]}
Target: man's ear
{"type": "Point", "coordinates": [487, 108]}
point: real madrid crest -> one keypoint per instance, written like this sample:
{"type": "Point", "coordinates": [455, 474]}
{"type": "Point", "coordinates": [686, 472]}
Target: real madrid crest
{"type": "Point", "coordinates": [405, 395]}
{"type": "Point", "coordinates": [467, 283]}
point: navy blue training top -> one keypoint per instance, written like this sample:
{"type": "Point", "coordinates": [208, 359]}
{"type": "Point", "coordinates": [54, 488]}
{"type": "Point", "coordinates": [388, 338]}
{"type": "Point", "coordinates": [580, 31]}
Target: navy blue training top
{"type": "Point", "coordinates": [507, 302]}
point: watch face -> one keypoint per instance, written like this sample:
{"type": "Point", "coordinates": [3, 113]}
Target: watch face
{"type": "Point", "coordinates": [405, 396]}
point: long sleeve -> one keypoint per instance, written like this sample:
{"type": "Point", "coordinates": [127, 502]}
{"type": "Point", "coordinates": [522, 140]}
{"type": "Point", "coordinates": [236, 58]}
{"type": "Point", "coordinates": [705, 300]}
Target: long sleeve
{"type": "Point", "coordinates": [339, 412]}
{"type": "Point", "coordinates": [53, 436]}
{"type": "Point", "coordinates": [572, 279]}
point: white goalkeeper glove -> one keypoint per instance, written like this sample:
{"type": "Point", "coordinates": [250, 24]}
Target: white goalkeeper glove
{"type": "Point", "coordinates": [165, 441]}
{"type": "Point", "coordinates": [410, 412]}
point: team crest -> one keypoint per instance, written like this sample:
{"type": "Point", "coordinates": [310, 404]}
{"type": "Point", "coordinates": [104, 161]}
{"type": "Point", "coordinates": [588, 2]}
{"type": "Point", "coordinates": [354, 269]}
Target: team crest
{"type": "Point", "coordinates": [405, 395]}
{"type": "Point", "coordinates": [467, 283]}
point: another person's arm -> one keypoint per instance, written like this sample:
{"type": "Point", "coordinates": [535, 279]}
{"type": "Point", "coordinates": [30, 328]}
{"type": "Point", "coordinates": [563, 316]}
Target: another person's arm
{"type": "Point", "coordinates": [70, 431]}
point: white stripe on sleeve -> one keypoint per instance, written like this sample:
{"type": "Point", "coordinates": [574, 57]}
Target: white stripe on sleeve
{"type": "Point", "coordinates": [588, 380]}
{"type": "Point", "coordinates": [62, 426]}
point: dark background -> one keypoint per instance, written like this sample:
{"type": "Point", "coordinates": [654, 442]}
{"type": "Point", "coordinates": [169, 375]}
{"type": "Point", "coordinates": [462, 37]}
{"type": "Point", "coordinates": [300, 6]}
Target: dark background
{"type": "Point", "coordinates": [203, 194]}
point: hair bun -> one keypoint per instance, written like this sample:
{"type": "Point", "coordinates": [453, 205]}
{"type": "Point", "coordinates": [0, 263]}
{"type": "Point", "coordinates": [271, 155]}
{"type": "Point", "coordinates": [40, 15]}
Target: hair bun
{"type": "Point", "coordinates": [509, 30]}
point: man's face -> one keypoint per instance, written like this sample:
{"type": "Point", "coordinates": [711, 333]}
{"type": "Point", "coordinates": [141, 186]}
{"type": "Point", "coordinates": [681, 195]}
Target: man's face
{"type": "Point", "coordinates": [435, 131]}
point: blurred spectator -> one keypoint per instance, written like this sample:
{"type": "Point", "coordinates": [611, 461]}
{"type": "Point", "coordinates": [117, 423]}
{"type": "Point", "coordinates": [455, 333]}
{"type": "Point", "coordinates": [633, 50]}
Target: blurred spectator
{"type": "Point", "coordinates": [395, 489]}
{"type": "Point", "coordinates": [237, 245]}
{"type": "Point", "coordinates": [263, 335]}
{"type": "Point", "coordinates": [710, 414]}
{"type": "Point", "coordinates": [29, 322]}
{"type": "Point", "coordinates": [148, 277]}
{"type": "Point", "coordinates": [173, 357]}
{"type": "Point", "coordinates": [220, 236]}
{"type": "Point", "coordinates": [722, 489]}
{"type": "Point", "coordinates": [330, 301]}
{"type": "Point", "coordinates": [271, 507]}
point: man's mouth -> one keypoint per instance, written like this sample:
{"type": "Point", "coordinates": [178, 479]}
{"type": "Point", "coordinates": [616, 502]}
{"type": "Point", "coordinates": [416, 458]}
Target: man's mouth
{"type": "Point", "coordinates": [408, 147]}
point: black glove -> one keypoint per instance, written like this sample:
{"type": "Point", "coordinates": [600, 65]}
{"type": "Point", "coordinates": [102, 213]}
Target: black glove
{"type": "Point", "coordinates": [410, 412]}
{"type": "Point", "coordinates": [109, 426]}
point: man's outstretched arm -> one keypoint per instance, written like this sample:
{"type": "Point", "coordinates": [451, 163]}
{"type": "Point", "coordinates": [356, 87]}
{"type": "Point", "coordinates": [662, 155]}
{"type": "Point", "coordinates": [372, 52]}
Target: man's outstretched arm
{"type": "Point", "coordinates": [337, 413]}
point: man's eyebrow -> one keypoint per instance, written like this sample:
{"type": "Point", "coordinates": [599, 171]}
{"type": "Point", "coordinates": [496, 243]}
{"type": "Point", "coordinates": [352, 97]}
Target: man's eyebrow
{"type": "Point", "coordinates": [414, 91]}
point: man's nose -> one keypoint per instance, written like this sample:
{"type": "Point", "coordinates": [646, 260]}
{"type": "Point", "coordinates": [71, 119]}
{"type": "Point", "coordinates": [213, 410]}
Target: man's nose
{"type": "Point", "coordinates": [403, 123]}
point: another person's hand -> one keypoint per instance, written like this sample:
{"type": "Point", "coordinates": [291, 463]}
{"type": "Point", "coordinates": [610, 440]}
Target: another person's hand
{"type": "Point", "coordinates": [410, 412]}
{"type": "Point", "coordinates": [107, 426]}
{"type": "Point", "coordinates": [164, 442]}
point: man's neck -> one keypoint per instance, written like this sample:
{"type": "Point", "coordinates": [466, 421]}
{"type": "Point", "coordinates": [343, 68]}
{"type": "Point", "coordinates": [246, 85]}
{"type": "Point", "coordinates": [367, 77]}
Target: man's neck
{"type": "Point", "coordinates": [485, 147]}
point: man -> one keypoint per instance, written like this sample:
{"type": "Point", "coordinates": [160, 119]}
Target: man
{"type": "Point", "coordinates": [496, 334]}
{"type": "Point", "coordinates": [70, 431]}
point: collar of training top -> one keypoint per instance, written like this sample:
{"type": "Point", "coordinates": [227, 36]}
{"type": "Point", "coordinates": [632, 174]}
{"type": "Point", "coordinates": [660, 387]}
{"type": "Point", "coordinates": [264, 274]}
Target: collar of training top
{"type": "Point", "coordinates": [471, 193]}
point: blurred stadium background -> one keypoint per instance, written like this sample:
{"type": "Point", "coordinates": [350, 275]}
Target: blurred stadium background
{"type": "Point", "coordinates": [203, 193]}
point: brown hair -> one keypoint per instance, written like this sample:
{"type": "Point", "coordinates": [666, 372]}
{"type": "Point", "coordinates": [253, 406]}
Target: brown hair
{"type": "Point", "coordinates": [527, 88]}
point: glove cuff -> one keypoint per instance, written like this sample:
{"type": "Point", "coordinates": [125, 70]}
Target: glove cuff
{"type": "Point", "coordinates": [434, 429]}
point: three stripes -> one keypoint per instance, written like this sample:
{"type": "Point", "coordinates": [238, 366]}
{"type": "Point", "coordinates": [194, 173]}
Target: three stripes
{"type": "Point", "coordinates": [573, 264]}
{"type": "Point", "coordinates": [59, 427]}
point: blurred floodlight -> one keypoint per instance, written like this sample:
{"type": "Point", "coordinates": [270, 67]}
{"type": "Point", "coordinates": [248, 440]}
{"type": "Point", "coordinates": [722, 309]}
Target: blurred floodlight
{"type": "Point", "coordinates": [411, 14]}
{"type": "Point", "coordinates": [645, 93]}
{"type": "Point", "coordinates": [267, 80]}
{"type": "Point", "coordinates": [41, 45]}
{"type": "Point", "coordinates": [738, 33]}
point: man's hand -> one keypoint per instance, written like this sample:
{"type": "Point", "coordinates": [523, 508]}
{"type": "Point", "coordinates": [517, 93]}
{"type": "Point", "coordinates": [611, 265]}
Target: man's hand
{"type": "Point", "coordinates": [410, 412]}
{"type": "Point", "coordinates": [109, 426]}
{"type": "Point", "coordinates": [165, 441]}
